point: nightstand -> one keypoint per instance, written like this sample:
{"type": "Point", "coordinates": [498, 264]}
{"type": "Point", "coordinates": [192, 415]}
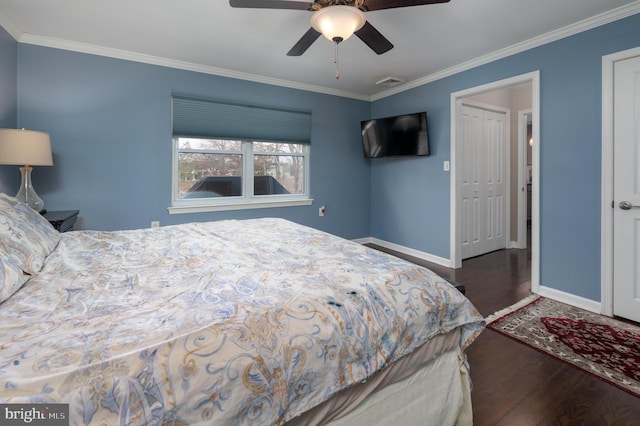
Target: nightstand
{"type": "Point", "coordinates": [62, 220]}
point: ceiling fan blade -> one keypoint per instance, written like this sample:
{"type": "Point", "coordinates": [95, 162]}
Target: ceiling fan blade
{"type": "Point", "coordinates": [304, 43]}
{"type": "Point", "coordinates": [271, 4]}
{"type": "Point", "coordinates": [372, 38]}
{"type": "Point", "coordinates": [370, 5]}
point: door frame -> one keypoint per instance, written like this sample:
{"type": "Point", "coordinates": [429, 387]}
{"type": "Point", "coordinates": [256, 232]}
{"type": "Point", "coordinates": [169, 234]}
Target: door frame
{"type": "Point", "coordinates": [532, 78]}
{"type": "Point", "coordinates": [607, 201]}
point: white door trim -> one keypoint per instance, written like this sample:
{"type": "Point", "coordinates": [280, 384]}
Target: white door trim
{"type": "Point", "coordinates": [455, 250]}
{"type": "Point", "coordinates": [606, 230]}
{"type": "Point", "coordinates": [485, 106]}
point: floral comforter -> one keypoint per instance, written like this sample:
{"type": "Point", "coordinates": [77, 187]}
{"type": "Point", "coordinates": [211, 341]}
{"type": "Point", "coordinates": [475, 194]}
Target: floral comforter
{"type": "Point", "coordinates": [230, 322]}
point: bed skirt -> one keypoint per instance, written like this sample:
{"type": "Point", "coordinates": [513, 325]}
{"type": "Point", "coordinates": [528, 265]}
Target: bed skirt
{"type": "Point", "coordinates": [429, 387]}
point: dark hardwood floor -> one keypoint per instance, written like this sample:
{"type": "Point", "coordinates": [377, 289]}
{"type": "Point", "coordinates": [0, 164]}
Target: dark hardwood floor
{"type": "Point", "coordinates": [514, 384]}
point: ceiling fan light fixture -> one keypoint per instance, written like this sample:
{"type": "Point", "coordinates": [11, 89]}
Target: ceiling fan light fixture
{"type": "Point", "coordinates": [338, 23]}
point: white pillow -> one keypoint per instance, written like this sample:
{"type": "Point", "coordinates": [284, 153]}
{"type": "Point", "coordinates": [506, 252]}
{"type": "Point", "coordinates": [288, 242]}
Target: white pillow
{"type": "Point", "coordinates": [25, 235]}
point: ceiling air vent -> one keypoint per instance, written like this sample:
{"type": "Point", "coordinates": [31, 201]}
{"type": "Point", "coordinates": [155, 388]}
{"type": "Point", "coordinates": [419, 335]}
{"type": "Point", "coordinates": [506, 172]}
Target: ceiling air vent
{"type": "Point", "coordinates": [390, 81]}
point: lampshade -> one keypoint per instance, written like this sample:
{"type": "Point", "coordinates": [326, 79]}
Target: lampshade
{"type": "Point", "coordinates": [338, 23]}
{"type": "Point", "coordinates": [25, 148]}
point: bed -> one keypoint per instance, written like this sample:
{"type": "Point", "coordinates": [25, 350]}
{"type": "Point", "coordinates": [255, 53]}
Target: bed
{"type": "Point", "coordinates": [255, 322]}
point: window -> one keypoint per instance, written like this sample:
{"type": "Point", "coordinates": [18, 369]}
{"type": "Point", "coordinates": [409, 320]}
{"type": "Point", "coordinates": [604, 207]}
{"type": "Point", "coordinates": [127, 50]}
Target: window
{"type": "Point", "coordinates": [230, 173]}
{"type": "Point", "coordinates": [228, 156]}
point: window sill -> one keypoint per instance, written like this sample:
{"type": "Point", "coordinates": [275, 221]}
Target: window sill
{"type": "Point", "coordinates": [243, 206]}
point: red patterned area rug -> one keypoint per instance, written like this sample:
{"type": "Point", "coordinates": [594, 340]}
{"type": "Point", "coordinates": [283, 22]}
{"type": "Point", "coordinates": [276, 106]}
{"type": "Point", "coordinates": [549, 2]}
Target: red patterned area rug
{"type": "Point", "coordinates": [602, 346]}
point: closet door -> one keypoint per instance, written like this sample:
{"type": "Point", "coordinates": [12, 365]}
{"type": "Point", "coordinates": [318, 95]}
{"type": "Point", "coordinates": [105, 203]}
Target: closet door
{"type": "Point", "coordinates": [483, 163]}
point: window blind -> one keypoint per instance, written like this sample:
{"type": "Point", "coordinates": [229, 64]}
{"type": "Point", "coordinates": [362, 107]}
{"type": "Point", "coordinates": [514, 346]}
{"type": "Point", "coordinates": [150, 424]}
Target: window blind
{"type": "Point", "coordinates": [213, 119]}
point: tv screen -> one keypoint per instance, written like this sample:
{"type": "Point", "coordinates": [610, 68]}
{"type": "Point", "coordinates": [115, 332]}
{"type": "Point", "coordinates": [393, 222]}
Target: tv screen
{"type": "Point", "coordinates": [395, 136]}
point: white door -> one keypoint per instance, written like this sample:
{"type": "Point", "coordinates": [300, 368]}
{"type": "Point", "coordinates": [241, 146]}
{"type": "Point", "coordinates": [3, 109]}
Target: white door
{"type": "Point", "coordinates": [626, 191]}
{"type": "Point", "coordinates": [483, 202]}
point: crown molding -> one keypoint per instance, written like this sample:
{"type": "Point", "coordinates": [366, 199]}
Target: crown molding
{"type": "Point", "coordinates": [587, 24]}
{"type": "Point", "coordinates": [10, 27]}
{"type": "Point", "coordinates": [182, 65]}
{"type": "Point", "coordinates": [578, 27]}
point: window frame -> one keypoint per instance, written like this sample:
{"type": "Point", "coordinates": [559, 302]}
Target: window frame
{"type": "Point", "coordinates": [248, 200]}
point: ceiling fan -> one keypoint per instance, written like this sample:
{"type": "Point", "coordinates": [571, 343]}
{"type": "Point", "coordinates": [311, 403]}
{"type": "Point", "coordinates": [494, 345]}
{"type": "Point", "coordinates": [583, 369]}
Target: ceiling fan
{"type": "Point", "coordinates": [337, 20]}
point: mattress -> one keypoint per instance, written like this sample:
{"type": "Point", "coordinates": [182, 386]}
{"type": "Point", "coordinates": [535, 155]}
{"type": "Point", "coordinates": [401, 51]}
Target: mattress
{"type": "Point", "coordinates": [228, 322]}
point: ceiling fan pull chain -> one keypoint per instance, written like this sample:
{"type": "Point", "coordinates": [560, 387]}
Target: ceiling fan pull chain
{"type": "Point", "coordinates": [335, 61]}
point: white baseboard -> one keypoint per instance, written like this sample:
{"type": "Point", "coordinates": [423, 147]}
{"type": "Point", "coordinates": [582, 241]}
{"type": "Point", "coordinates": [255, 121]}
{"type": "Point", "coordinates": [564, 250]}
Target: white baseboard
{"type": "Point", "coordinates": [515, 245]}
{"type": "Point", "coordinates": [406, 250]}
{"type": "Point", "coordinates": [571, 299]}
{"type": "Point", "coordinates": [551, 293]}
{"type": "Point", "coordinates": [363, 241]}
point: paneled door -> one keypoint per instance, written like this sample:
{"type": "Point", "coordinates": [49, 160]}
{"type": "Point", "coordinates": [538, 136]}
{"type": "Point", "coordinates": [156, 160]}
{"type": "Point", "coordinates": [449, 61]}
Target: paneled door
{"type": "Point", "coordinates": [483, 161]}
{"type": "Point", "coordinates": [626, 190]}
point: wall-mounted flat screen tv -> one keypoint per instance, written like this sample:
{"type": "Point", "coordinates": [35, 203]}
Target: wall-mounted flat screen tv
{"type": "Point", "coordinates": [395, 136]}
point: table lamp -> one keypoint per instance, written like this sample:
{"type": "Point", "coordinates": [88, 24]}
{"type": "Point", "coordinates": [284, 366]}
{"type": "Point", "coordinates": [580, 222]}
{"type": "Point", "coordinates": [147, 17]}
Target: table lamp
{"type": "Point", "coordinates": [26, 148]}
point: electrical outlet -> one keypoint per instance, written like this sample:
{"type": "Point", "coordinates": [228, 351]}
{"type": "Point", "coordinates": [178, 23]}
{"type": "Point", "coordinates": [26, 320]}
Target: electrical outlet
{"type": "Point", "coordinates": [321, 211]}
{"type": "Point", "coordinates": [155, 224]}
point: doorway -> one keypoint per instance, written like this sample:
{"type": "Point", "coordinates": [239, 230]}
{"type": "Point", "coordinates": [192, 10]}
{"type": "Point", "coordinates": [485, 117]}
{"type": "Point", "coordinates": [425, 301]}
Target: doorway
{"type": "Point", "coordinates": [523, 187]}
{"type": "Point", "coordinates": [457, 151]}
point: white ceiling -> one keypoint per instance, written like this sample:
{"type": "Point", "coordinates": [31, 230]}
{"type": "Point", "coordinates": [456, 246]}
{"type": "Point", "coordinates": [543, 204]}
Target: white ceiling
{"type": "Point", "coordinates": [212, 37]}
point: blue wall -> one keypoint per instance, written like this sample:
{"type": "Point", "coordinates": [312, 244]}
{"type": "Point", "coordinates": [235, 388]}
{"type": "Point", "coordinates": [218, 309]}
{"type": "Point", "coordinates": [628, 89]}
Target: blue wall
{"type": "Point", "coordinates": [109, 122]}
{"type": "Point", "coordinates": [9, 175]}
{"type": "Point", "coordinates": [410, 198]}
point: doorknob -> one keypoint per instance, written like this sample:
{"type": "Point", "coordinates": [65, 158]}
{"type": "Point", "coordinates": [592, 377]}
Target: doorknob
{"type": "Point", "coordinates": [625, 205]}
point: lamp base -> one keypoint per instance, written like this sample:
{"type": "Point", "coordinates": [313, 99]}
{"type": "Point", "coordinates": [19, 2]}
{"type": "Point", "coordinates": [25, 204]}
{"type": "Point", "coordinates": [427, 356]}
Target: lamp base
{"type": "Point", "coordinates": [27, 194]}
